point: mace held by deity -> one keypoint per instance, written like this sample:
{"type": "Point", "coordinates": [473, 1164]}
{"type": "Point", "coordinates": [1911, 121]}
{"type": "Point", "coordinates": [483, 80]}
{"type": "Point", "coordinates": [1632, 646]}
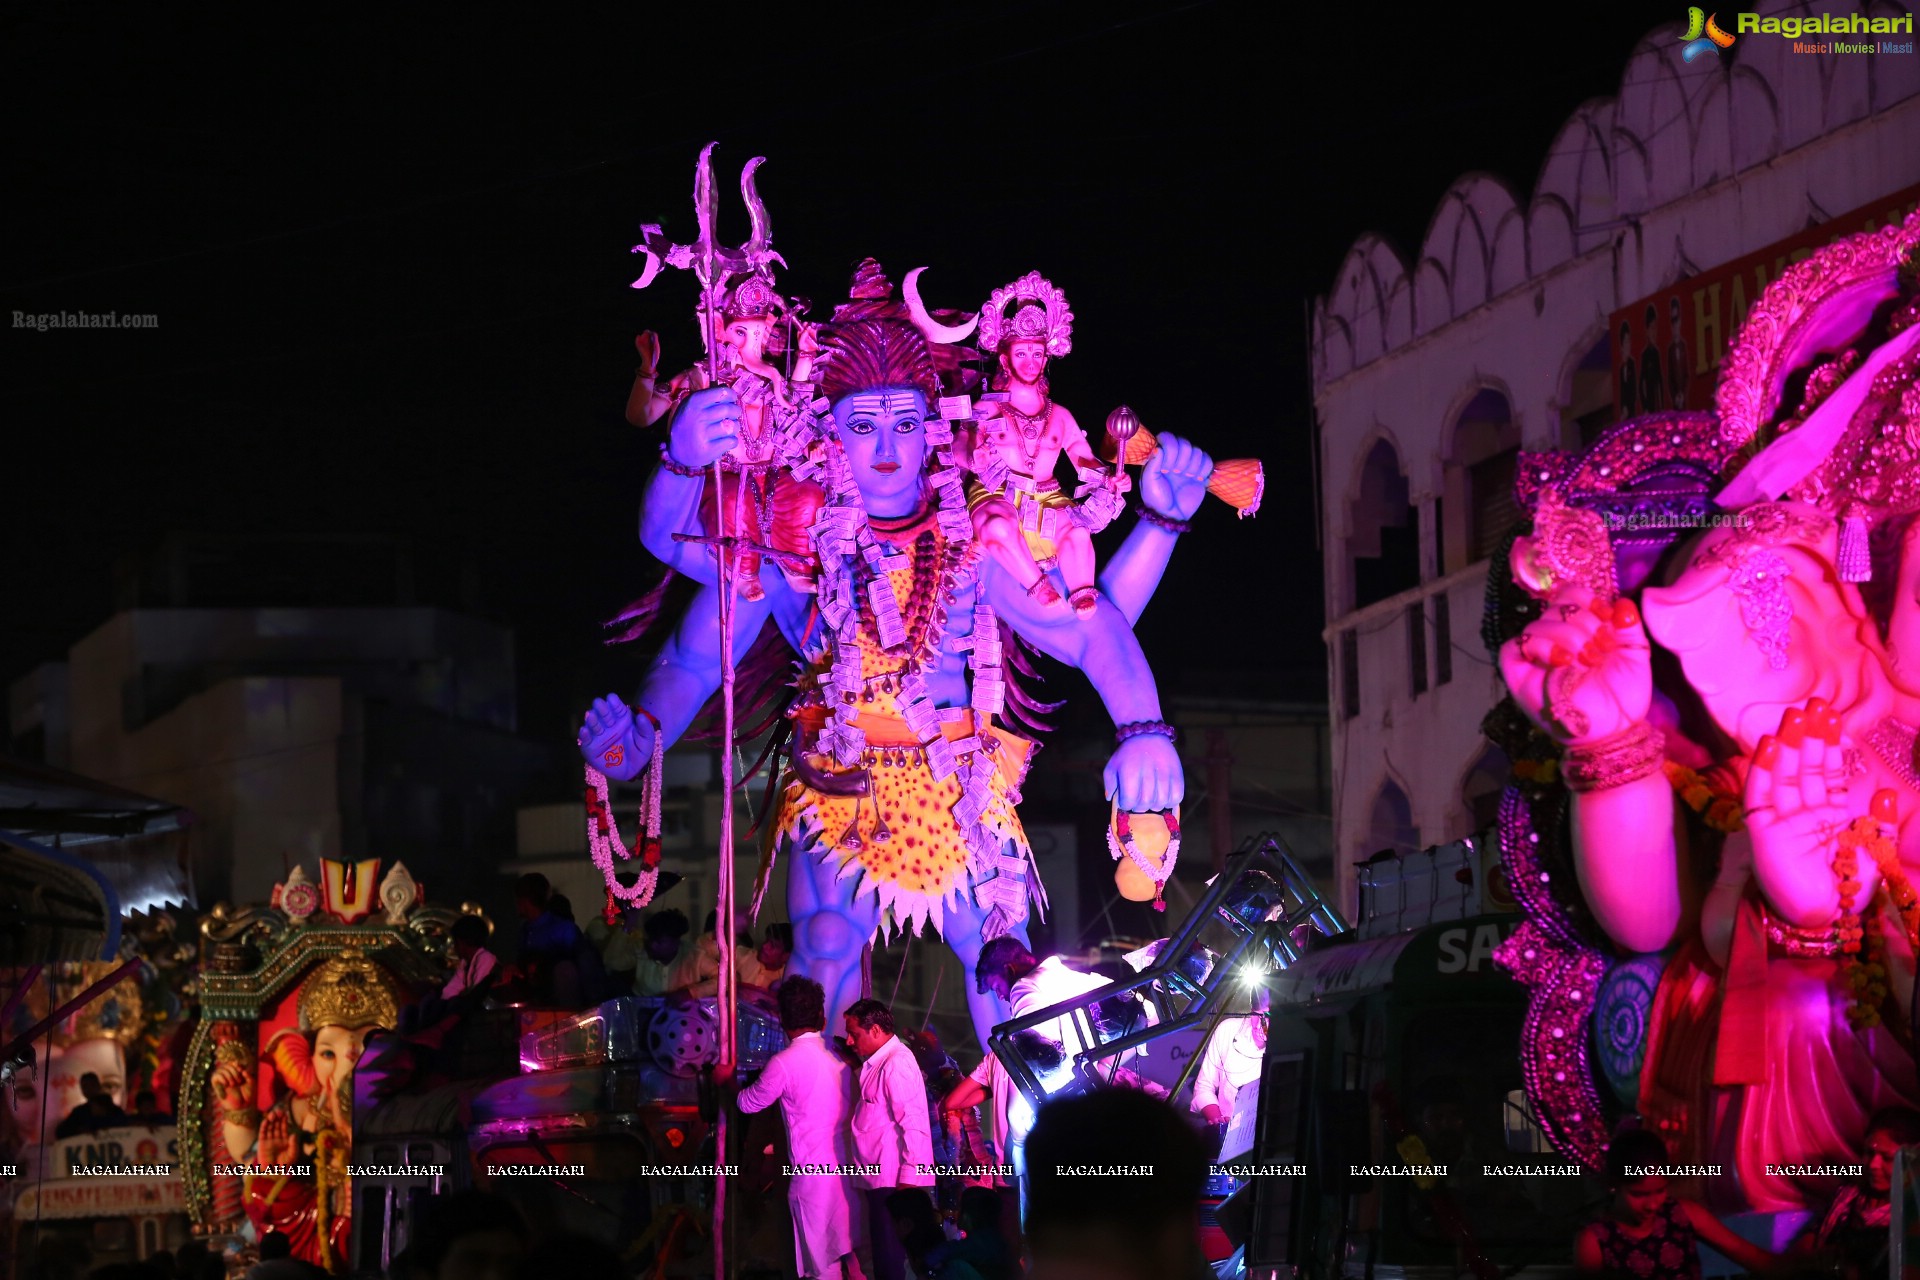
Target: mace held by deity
{"type": "Point", "coordinates": [1238, 482]}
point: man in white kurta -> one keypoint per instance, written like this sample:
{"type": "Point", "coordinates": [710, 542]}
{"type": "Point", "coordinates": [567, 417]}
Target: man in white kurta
{"type": "Point", "coordinates": [1050, 982]}
{"type": "Point", "coordinates": [1228, 1078]}
{"type": "Point", "coordinates": [891, 1128]}
{"type": "Point", "coordinates": [1008, 970]}
{"type": "Point", "coordinates": [814, 1088]}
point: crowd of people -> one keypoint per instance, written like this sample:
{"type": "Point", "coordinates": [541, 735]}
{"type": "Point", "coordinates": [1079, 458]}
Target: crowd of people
{"type": "Point", "coordinates": [905, 1165]}
{"type": "Point", "coordinates": [866, 1093]}
{"type": "Point", "coordinates": [560, 963]}
{"type": "Point", "coordinates": [1647, 1232]}
{"type": "Point", "coordinates": [937, 1193]}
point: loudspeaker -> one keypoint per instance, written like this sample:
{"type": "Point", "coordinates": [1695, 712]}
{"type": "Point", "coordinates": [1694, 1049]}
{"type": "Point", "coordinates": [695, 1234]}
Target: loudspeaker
{"type": "Point", "coordinates": [1275, 1205]}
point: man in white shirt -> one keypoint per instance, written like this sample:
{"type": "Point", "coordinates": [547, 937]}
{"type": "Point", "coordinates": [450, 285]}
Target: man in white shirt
{"type": "Point", "coordinates": [1026, 985]}
{"type": "Point", "coordinates": [890, 1128]}
{"type": "Point", "coordinates": [476, 963]}
{"type": "Point", "coordinates": [814, 1088]}
{"type": "Point", "coordinates": [1012, 1116]}
{"type": "Point", "coordinates": [1228, 1078]}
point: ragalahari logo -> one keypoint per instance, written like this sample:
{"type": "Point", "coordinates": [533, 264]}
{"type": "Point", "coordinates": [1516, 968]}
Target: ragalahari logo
{"type": "Point", "coordinates": [1821, 33]}
{"type": "Point", "coordinates": [1703, 34]}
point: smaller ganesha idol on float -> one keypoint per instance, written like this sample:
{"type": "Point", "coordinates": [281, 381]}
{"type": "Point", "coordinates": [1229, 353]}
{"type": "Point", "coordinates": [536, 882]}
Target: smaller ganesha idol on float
{"type": "Point", "coordinates": [290, 992]}
{"type": "Point", "coordinates": [299, 1144]}
{"type": "Point", "coordinates": [757, 348]}
{"type": "Point", "coordinates": [1742, 792]}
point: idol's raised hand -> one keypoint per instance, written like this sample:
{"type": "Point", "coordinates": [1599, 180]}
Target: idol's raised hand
{"type": "Point", "coordinates": [1798, 804]}
{"type": "Point", "coordinates": [1582, 671]}
{"type": "Point", "coordinates": [1174, 480]}
{"type": "Point", "coordinates": [705, 427]}
{"type": "Point", "coordinates": [613, 742]}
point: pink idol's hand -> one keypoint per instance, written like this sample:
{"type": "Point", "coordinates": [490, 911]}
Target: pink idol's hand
{"type": "Point", "coordinates": [1798, 801]}
{"type": "Point", "coordinates": [1583, 671]}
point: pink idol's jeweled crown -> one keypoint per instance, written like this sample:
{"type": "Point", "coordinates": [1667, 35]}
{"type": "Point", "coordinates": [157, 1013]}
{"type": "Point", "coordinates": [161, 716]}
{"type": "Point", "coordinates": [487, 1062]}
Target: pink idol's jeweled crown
{"type": "Point", "coordinates": [1044, 317]}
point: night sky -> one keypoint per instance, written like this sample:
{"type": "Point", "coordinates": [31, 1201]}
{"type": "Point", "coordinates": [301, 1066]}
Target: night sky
{"type": "Point", "coordinates": [389, 260]}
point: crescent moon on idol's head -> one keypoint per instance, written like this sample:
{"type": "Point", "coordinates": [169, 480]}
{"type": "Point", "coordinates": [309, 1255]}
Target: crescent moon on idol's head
{"type": "Point", "coordinates": [651, 270]}
{"type": "Point", "coordinates": [925, 323]}
{"type": "Point", "coordinates": [649, 233]}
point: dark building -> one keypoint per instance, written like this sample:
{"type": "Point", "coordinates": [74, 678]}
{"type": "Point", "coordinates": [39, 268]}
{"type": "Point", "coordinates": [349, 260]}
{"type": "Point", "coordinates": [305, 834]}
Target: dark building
{"type": "Point", "coordinates": [303, 698]}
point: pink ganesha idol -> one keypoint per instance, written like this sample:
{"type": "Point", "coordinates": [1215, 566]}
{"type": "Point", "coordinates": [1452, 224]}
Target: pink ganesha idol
{"type": "Point", "coordinates": [1784, 936]}
{"type": "Point", "coordinates": [1019, 511]}
{"type": "Point", "coordinates": [752, 323]}
{"type": "Point", "coordinates": [756, 345]}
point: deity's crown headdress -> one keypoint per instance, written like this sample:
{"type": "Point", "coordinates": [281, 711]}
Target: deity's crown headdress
{"type": "Point", "coordinates": [1852, 444]}
{"type": "Point", "coordinates": [876, 340]}
{"type": "Point", "coordinates": [753, 296]}
{"type": "Point", "coordinates": [1040, 314]}
{"type": "Point", "coordinates": [348, 991]}
{"type": "Point", "coordinates": [1843, 328]}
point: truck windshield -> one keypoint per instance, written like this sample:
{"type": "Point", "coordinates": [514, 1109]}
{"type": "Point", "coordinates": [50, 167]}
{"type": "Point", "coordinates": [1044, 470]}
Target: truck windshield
{"type": "Point", "coordinates": [1465, 1101]}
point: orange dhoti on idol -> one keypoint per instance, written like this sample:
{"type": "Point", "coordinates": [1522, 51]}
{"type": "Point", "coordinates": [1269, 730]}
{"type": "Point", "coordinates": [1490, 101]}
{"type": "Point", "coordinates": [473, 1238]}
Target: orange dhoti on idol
{"type": "Point", "coordinates": [919, 818]}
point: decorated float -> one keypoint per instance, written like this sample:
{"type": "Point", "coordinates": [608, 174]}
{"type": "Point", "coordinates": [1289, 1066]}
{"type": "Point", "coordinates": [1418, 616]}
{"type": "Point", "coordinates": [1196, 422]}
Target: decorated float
{"type": "Point", "coordinates": [290, 991]}
{"type": "Point", "coordinates": [870, 506]}
{"type": "Point", "coordinates": [1709, 631]}
{"type": "Point", "coordinates": [114, 1189]}
{"type": "Point", "coordinates": [877, 494]}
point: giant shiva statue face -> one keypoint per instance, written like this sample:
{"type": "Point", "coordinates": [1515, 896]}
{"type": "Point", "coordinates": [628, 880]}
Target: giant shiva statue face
{"type": "Point", "coordinates": [883, 435]}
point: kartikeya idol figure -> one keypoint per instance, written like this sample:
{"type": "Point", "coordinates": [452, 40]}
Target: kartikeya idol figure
{"type": "Point", "coordinates": [1740, 813]}
{"type": "Point", "coordinates": [1027, 523]}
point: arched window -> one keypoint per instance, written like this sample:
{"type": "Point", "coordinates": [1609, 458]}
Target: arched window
{"type": "Point", "coordinates": [1385, 542]}
{"type": "Point", "coordinates": [1480, 790]}
{"type": "Point", "coordinates": [1393, 827]}
{"type": "Point", "coordinates": [1590, 395]}
{"type": "Point", "coordinates": [1478, 509]}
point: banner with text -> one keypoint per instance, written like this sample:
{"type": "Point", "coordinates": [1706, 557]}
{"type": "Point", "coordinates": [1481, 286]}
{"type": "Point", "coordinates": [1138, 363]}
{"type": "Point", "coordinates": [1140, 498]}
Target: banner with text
{"type": "Point", "coordinates": [1667, 347]}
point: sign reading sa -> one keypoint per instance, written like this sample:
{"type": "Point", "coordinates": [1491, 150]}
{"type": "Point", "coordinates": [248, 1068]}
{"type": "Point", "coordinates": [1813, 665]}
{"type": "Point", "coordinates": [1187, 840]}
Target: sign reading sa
{"type": "Point", "coordinates": [1470, 949]}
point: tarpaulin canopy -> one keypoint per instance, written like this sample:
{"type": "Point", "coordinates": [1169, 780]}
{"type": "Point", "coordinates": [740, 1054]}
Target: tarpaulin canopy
{"type": "Point", "coordinates": [1446, 961]}
{"type": "Point", "coordinates": [75, 856]}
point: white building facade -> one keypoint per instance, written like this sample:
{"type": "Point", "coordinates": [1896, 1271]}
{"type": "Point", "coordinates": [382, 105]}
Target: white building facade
{"type": "Point", "coordinates": [1429, 377]}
